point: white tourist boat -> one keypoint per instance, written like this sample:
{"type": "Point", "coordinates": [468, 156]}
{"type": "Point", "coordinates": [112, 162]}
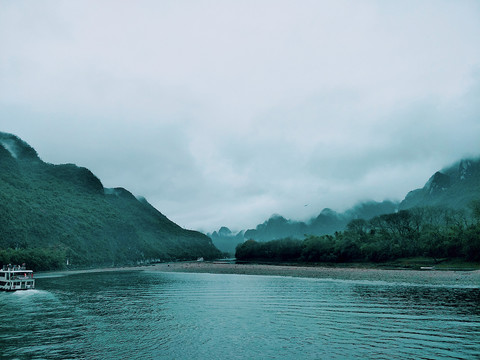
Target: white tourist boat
{"type": "Point", "coordinates": [16, 277]}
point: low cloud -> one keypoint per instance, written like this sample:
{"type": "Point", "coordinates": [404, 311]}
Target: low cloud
{"type": "Point", "coordinates": [223, 113]}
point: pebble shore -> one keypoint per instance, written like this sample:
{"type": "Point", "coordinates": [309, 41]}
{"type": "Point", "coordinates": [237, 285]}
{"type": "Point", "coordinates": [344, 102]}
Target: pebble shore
{"type": "Point", "coordinates": [431, 277]}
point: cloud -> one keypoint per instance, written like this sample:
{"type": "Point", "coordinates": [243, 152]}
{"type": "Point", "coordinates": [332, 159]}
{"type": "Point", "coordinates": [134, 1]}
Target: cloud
{"type": "Point", "coordinates": [223, 112]}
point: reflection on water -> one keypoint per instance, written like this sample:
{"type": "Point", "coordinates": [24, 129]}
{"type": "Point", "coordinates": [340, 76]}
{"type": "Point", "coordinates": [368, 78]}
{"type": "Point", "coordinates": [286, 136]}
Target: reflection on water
{"type": "Point", "coordinates": [151, 315]}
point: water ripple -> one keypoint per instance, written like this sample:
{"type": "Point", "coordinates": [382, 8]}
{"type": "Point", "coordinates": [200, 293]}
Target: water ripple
{"type": "Point", "coordinates": [140, 315]}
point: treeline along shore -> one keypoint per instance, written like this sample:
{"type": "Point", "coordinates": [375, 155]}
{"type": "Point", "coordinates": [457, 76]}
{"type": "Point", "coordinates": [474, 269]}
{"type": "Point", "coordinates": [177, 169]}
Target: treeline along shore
{"type": "Point", "coordinates": [434, 233]}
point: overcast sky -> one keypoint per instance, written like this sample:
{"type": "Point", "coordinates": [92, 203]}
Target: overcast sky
{"type": "Point", "coordinates": [226, 112]}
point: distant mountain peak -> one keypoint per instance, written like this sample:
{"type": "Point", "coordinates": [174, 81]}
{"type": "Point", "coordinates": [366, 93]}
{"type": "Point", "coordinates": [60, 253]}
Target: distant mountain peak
{"type": "Point", "coordinates": [277, 217]}
{"type": "Point", "coordinates": [437, 183]}
{"type": "Point", "coordinates": [17, 148]}
{"type": "Point", "coordinates": [453, 187]}
{"type": "Point", "coordinates": [328, 212]}
{"type": "Point", "coordinates": [224, 231]}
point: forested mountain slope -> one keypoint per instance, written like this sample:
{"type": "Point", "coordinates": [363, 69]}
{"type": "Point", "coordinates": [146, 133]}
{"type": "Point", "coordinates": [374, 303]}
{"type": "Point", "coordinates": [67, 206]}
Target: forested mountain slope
{"type": "Point", "coordinates": [51, 213]}
{"type": "Point", "coordinates": [454, 187]}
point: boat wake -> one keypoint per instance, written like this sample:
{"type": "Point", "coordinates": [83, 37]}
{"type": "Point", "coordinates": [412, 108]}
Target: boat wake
{"type": "Point", "coordinates": [31, 293]}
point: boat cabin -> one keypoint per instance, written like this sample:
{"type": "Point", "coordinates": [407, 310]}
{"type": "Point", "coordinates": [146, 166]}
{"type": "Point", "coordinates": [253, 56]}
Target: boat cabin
{"type": "Point", "coordinates": [16, 277]}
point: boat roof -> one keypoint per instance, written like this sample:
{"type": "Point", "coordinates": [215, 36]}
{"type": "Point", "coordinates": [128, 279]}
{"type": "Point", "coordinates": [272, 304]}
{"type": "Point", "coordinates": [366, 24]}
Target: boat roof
{"type": "Point", "coordinates": [19, 271]}
{"type": "Point", "coordinates": [15, 268]}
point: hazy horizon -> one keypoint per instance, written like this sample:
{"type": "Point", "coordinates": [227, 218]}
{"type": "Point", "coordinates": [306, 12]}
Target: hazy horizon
{"type": "Point", "coordinates": [223, 113]}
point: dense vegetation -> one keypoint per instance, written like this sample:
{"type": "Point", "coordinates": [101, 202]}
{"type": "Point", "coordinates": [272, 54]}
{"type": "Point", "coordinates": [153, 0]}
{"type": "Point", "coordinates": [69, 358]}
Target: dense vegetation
{"type": "Point", "coordinates": [51, 213]}
{"type": "Point", "coordinates": [38, 259]}
{"type": "Point", "coordinates": [432, 232]}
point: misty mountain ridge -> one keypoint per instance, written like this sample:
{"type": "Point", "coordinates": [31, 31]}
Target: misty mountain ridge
{"type": "Point", "coordinates": [454, 187]}
{"type": "Point", "coordinates": [278, 227]}
{"type": "Point", "coordinates": [65, 210]}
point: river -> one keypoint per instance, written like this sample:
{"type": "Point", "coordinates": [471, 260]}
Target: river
{"type": "Point", "coordinates": [156, 315]}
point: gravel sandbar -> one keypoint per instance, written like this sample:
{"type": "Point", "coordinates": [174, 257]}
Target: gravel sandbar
{"type": "Point", "coordinates": [433, 277]}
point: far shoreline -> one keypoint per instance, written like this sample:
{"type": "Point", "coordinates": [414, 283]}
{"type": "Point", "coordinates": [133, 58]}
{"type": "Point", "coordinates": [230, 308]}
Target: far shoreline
{"type": "Point", "coordinates": [354, 272]}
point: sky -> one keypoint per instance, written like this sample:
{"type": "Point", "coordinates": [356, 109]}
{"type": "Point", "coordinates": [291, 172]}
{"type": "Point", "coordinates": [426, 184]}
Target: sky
{"type": "Point", "coordinates": [222, 113]}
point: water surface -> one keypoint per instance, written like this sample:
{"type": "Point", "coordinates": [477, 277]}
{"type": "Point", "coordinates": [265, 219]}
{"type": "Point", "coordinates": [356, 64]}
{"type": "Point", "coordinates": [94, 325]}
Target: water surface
{"type": "Point", "coordinates": [154, 315]}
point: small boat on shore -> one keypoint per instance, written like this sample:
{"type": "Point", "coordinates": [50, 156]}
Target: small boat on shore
{"type": "Point", "coordinates": [427, 267]}
{"type": "Point", "coordinates": [16, 277]}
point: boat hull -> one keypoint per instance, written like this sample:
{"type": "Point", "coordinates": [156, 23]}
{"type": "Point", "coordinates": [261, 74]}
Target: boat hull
{"type": "Point", "coordinates": [13, 278]}
{"type": "Point", "coordinates": [17, 287]}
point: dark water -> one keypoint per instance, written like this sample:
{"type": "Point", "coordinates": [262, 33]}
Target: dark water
{"type": "Point", "coordinates": [152, 315]}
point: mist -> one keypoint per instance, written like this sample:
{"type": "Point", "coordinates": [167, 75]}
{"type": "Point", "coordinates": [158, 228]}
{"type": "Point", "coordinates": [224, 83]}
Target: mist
{"type": "Point", "coordinates": [224, 113]}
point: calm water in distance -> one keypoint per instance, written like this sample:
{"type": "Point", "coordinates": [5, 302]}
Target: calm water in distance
{"type": "Point", "coordinates": [154, 315]}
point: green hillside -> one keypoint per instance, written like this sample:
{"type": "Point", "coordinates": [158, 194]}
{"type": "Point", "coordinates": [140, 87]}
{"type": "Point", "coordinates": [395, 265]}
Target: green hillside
{"type": "Point", "coordinates": [51, 213]}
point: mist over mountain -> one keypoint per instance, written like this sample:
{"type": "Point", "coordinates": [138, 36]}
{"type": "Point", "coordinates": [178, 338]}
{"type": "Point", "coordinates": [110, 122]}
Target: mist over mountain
{"type": "Point", "coordinates": [454, 187]}
{"type": "Point", "coordinates": [64, 211]}
{"type": "Point", "coordinates": [225, 240]}
{"type": "Point", "coordinates": [278, 227]}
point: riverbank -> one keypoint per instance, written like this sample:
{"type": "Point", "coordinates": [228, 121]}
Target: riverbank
{"type": "Point", "coordinates": [433, 277]}
{"type": "Point", "coordinates": [349, 272]}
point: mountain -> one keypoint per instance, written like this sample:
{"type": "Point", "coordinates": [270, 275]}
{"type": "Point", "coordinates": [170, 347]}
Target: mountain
{"type": "Point", "coordinates": [327, 222]}
{"type": "Point", "coordinates": [278, 227]}
{"type": "Point", "coordinates": [66, 211]}
{"type": "Point", "coordinates": [454, 187]}
{"type": "Point", "coordinates": [225, 240]}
